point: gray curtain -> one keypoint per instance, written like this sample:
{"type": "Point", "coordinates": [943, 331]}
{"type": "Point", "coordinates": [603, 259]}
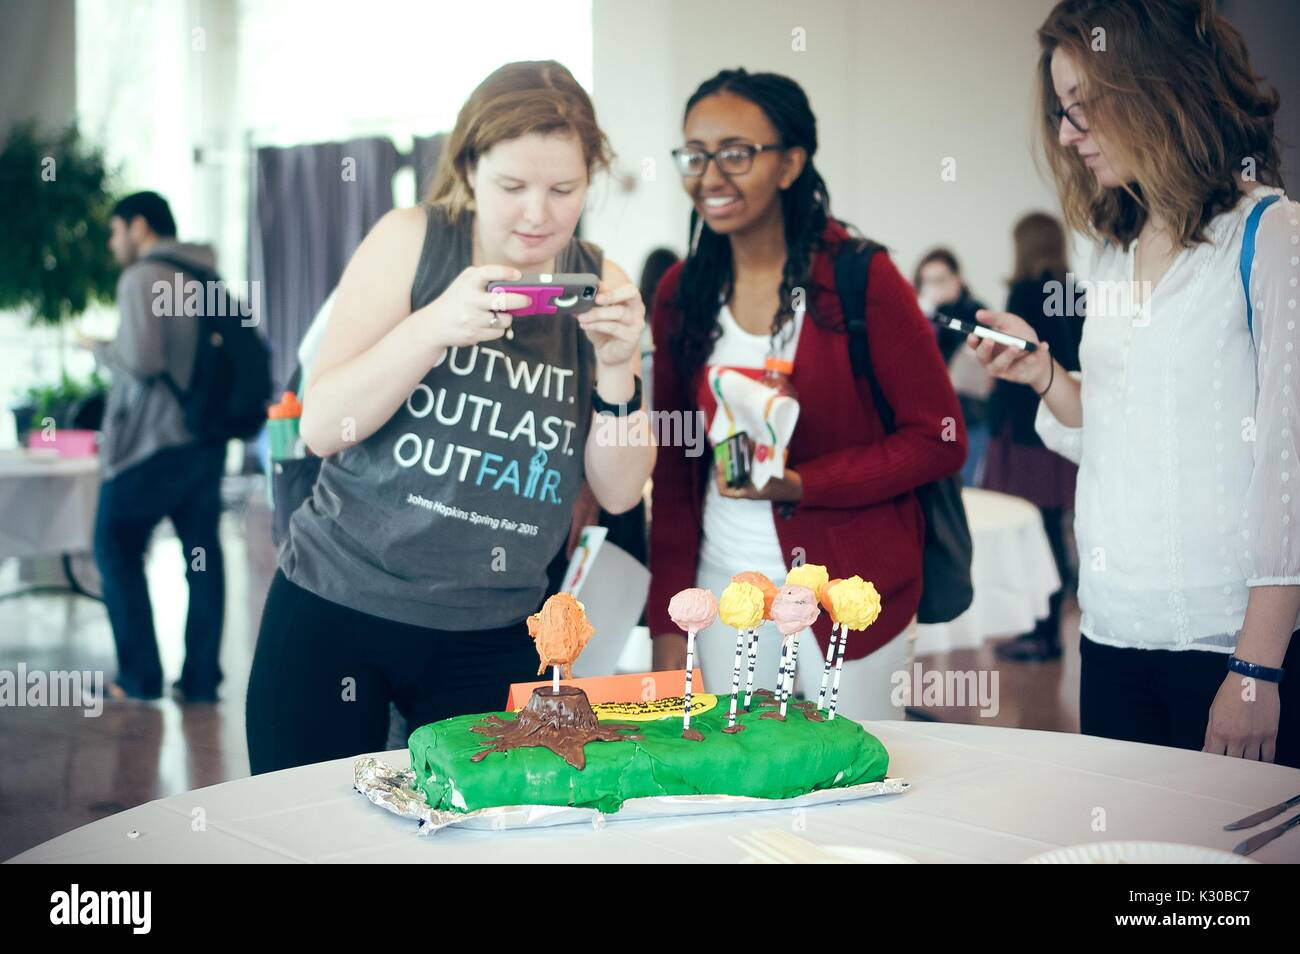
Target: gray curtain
{"type": "Point", "coordinates": [312, 205]}
{"type": "Point", "coordinates": [425, 151]}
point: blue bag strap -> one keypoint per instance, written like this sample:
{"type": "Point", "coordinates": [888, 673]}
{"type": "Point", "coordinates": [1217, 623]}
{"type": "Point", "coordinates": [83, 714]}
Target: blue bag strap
{"type": "Point", "coordinates": [1248, 255]}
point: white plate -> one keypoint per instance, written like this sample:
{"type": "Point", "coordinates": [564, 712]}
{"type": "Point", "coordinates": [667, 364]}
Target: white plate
{"type": "Point", "coordinates": [851, 854]}
{"type": "Point", "coordinates": [1137, 853]}
{"type": "Point", "coordinates": [869, 856]}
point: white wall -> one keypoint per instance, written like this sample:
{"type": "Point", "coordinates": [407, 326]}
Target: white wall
{"type": "Point", "coordinates": [896, 87]}
{"type": "Point", "coordinates": [37, 79]}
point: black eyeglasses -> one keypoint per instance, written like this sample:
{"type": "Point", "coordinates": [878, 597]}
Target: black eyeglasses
{"type": "Point", "coordinates": [734, 160]}
{"type": "Point", "coordinates": [1074, 115]}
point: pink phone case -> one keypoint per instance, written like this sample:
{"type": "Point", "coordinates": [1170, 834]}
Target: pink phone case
{"type": "Point", "coordinates": [542, 297]}
{"type": "Point", "coordinates": [571, 290]}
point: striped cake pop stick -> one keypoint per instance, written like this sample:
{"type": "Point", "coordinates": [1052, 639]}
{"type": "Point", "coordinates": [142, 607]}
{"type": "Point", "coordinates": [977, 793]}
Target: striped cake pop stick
{"type": "Point", "coordinates": [753, 658]}
{"type": "Point", "coordinates": [793, 610]}
{"type": "Point", "coordinates": [824, 598]}
{"type": "Point", "coordinates": [826, 669]}
{"type": "Point", "coordinates": [740, 607]}
{"type": "Point", "coordinates": [690, 672]}
{"type": "Point", "coordinates": [735, 676]}
{"type": "Point", "coordinates": [856, 605]}
{"type": "Point", "coordinates": [787, 673]}
{"type": "Point", "coordinates": [835, 685]}
{"type": "Point", "coordinates": [780, 671]}
{"type": "Point", "coordinates": [693, 610]}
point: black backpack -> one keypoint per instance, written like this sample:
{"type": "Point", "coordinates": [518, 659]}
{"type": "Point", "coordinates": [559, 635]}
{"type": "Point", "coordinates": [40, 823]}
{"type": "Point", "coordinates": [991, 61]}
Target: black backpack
{"type": "Point", "coordinates": [230, 384]}
{"type": "Point", "coordinates": [946, 590]}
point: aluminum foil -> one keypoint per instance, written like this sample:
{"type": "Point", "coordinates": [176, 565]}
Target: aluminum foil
{"type": "Point", "coordinates": [394, 790]}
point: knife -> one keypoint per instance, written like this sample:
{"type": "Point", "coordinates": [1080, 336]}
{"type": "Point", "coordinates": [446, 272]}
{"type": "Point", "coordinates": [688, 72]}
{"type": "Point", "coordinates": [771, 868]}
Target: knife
{"type": "Point", "coordinates": [1250, 821]}
{"type": "Point", "coordinates": [1255, 842]}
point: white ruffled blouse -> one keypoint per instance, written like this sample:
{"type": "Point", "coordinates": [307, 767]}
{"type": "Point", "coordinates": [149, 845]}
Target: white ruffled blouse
{"type": "Point", "coordinates": [1189, 462]}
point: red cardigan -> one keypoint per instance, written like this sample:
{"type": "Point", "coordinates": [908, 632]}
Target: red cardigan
{"type": "Point", "coordinates": [858, 513]}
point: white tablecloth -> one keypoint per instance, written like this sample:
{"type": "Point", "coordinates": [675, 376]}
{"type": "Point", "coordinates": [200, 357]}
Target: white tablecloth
{"type": "Point", "coordinates": [1012, 569]}
{"type": "Point", "coordinates": [47, 506]}
{"type": "Point", "coordinates": [979, 794]}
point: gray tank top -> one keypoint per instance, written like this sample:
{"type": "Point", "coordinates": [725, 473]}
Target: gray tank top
{"type": "Point", "coordinates": [449, 514]}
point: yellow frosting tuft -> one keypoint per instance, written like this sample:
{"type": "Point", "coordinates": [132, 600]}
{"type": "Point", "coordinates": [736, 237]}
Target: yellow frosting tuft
{"type": "Point", "coordinates": [856, 602]}
{"type": "Point", "coordinates": [741, 606]}
{"type": "Point", "coordinates": [811, 575]}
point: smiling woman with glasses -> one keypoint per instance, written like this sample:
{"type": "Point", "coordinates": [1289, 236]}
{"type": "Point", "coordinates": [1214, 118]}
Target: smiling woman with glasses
{"type": "Point", "coordinates": [759, 284]}
{"type": "Point", "coordinates": [735, 159]}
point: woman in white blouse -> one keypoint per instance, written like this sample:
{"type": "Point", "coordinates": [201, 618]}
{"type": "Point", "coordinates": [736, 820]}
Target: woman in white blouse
{"type": "Point", "coordinates": [1184, 418]}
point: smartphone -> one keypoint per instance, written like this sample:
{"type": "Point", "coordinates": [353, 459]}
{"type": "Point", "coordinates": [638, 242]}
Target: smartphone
{"type": "Point", "coordinates": [969, 327]}
{"type": "Point", "coordinates": [570, 294]}
{"type": "Point", "coordinates": [734, 458]}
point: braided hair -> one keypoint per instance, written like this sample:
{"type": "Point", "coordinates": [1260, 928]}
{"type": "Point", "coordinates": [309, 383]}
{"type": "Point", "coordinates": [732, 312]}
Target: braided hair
{"type": "Point", "coordinates": [706, 278]}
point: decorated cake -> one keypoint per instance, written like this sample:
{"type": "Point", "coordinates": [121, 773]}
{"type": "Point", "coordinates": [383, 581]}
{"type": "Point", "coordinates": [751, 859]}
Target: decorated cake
{"type": "Point", "coordinates": [561, 749]}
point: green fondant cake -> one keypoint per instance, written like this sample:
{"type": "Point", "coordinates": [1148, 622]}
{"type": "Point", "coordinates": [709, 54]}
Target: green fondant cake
{"type": "Point", "coordinates": [768, 759]}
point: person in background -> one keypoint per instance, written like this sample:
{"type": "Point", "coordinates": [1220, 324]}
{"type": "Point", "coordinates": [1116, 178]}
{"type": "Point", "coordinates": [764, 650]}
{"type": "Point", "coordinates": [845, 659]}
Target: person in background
{"type": "Point", "coordinates": [939, 284]}
{"type": "Point", "coordinates": [153, 467]}
{"type": "Point", "coordinates": [654, 268]}
{"type": "Point", "coordinates": [1016, 461]}
{"type": "Point", "coordinates": [1183, 419]}
{"type": "Point", "coordinates": [763, 229]}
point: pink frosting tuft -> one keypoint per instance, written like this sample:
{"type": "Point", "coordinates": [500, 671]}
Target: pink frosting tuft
{"type": "Point", "coordinates": [693, 609]}
{"type": "Point", "coordinates": [795, 608]}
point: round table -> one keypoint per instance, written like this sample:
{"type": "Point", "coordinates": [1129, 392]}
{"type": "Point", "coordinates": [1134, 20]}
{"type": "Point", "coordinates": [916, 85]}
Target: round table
{"type": "Point", "coordinates": [979, 794]}
{"type": "Point", "coordinates": [1012, 569]}
{"type": "Point", "coordinates": [47, 506]}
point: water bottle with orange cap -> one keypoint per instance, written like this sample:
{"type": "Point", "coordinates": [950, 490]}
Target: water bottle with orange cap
{"type": "Point", "coordinates": [282, 428]}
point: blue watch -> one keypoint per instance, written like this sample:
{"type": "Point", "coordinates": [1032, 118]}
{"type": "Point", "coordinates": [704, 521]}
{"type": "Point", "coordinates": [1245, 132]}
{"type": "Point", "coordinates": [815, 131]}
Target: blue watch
{"type": "Point", "coordinates": [1253, 670]}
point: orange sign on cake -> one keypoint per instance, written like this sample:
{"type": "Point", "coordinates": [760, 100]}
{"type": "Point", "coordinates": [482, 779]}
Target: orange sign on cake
{"type": "Point", "coordinates": [629, 687]}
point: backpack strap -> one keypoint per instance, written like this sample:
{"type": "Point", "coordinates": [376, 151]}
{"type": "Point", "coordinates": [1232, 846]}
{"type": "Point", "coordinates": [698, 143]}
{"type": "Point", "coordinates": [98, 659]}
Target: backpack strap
{"type": "Point", "coordinates": [852, 268]}
{"type": "Point", "coordinates": [204, 275]}
{"type": "Point", "coordinates": [1248, 255]}
{"type": "Point", "coordinates": [197, 272]}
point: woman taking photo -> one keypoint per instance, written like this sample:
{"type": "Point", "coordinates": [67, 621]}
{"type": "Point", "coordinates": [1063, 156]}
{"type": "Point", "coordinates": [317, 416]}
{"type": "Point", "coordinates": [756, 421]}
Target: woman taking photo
{"type": "Point", "coordinates": [455, 438]}
{"type": "Point", "coordinates": [1183, 420]}
{"type": "Point", "coordinates": [758, 283]}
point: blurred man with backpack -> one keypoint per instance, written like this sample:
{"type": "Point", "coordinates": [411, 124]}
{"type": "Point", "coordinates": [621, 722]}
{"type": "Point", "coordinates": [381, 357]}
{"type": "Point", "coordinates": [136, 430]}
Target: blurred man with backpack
{"type": "Point", "coordinates": [163, 444]}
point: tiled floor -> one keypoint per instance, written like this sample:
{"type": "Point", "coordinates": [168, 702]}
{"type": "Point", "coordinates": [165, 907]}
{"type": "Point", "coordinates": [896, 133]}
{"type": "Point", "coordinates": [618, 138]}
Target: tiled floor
{"type": "Point", "coordinates": [60, 769]}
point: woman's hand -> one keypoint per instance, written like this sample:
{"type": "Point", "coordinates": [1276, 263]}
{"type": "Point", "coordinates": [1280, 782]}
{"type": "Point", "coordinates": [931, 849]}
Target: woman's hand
{"type": "Point", "coordinates": [468, 314]}
{"type": "Point", "coordinates": [787, 488]}
{"type": "Point", "coordinates": [1244, 728]}
{"type": "Point", "coordinates": [1012, 364]}
{"type": "Point", "coordinates": [669, 652]}
{"type": "Point", "coordinates": [615, 324]}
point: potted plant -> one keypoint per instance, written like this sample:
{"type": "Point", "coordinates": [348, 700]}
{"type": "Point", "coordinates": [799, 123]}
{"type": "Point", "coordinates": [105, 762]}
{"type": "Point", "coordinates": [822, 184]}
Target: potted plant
{"type": "Point", "coordinates": [69, 404]}
{"type": "Point", "coordinates": [54, 258]}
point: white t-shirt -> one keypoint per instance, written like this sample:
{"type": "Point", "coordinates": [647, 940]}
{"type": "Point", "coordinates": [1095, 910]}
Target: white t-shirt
{"type": "Point", "coordinates": [742, 533]}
